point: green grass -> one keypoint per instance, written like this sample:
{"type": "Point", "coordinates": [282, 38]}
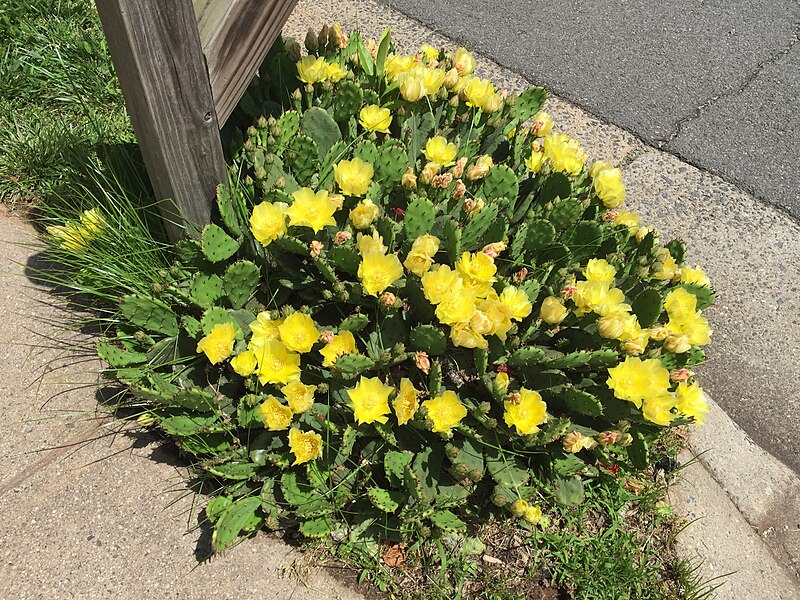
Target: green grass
{"type": "Point", "coordinates": [59, 97]}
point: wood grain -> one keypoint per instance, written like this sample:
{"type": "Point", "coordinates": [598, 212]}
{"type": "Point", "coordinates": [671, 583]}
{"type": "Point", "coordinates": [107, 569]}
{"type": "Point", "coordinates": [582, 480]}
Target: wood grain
{"type": "Point", "coordinates": [156, 50]}
{"type": "Point", "coordinates": [236, 36]}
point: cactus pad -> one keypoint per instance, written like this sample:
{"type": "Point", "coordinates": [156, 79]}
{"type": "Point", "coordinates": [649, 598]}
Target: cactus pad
{"type": "Point", "coordinates": [240, 281]}
{"type": "Point", "coordinates": [149, 314]}
{"type": "Point", "coordinates": [427, 338]}
{"type": "Point", "coordinates": [218, 245]}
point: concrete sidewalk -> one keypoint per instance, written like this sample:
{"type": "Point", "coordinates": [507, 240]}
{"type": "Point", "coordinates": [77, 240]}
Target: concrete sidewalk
{"type": "Point", "coordinates": [108, 518]}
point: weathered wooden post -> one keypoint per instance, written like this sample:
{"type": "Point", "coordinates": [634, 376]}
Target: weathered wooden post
{"type": "Point", "coordinates": [181, 86]}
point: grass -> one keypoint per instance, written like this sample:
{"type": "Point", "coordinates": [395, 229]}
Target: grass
{"type": "Point", "coordinates": [62, 124]}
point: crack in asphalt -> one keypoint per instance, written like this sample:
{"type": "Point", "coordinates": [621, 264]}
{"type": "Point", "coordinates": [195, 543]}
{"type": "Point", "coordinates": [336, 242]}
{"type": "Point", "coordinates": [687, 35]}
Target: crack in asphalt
{"type": "Point", "coordinates": [697, 112]}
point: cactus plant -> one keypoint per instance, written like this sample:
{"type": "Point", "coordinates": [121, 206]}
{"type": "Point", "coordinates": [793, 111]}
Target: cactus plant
{"type": "Point", "coordinates": [302, 156]}
{"type": "Point", "coordinates": [240, 281]}
{"type": "Point", "coordinates": [320, 127]}
{"type": "Point", "coordinates": [217, 245]}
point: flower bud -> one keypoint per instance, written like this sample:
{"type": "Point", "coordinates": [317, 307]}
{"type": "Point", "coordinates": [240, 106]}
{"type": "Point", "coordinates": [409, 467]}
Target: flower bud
{"type": "Point", "coordinates": [500, 383]}
{"type": "Point", "coordinates": [494, 249]}
{"type": "Point", "coordinates": [677, 344]}
{"type": "Point", "coordinates": [338, 38]}
{"type": "Point", "coordinates": [293, 49]}
{"type": "Point", "coordinates": [625, 440]}
{"type": "Point", "coordinates": [568, 291]}
{"type": "Point", "coordinates": [411, 88]}
{"type": "Point", "coordinates": [145, 420]}
{"type": "Point", "coordinates": [520, 275]}
{"type": "Point", "coordinates": [429, 171]}
{"type": "Point", "coordinates": [519, 507]}
{"type": "Point", "coordinates": [553, 311]}
{"type": "Point", "coordinates": [140, 336]}
{"type": "Point", "coordinates": [634, 346]}
{"type": "Point", "coordinates": [658, 332]}
{"type": "Point", "coordinates": [156, 288]}
{"type": "Point", "coordinates": [575, 441]}
{"type": "Point", "coordinates": [409, 180]}
{"type": "Point", "coordinates": [387, 300]}
{"type": "Point", "coordinates": [681, 374]}
{"type": "Point", "coordinates": [311, 42]}
{"type": "Point", "coordinates": [533, 515]}
{"type": "Point", "coordinates": [423, 362]}
{"type": "Point", "coordinates": [337, 200]}
{"type": "Point", "coordinates": [451, 79]}
{"type": "Point", "coordinates": [475, 206]}
{"type": "Point", "coordinates": [372, 47]}
{"type": "Point", "coordinates": [611, 215]}
{"type": "Point", "coordinates": [342, 237]}
{"type": "Point", "coordinates": [542, 124]}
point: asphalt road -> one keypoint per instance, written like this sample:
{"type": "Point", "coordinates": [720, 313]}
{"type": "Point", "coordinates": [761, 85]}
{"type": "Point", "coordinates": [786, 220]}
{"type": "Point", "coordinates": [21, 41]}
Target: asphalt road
{"type": "Point", "coordinates": [715, 82]}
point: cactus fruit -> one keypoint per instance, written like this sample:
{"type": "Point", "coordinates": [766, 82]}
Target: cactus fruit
{"type": "Point", "coordinates": [149, 314]}
{"type": "Point", "coordinates": [302, 156]}
{"type": "Point", "coordinates": [240, 281]}
{"type": "Point", "coordinates": [427, 338]}
{"type": "Point", "coordinates": [217, 245]}
{"type": "Point", "coordinates": [320, 127]}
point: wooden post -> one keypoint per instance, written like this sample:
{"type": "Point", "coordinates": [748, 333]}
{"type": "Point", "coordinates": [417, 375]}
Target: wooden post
{"type": "Point", "coordinates": [156, 51]}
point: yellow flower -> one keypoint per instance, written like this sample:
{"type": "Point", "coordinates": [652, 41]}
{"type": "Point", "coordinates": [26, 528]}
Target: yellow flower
{"type": "Point", "coordinates": [429, 52]}
{"type": "Point", "coordinates": [369, 244]}
{"type": "Point", "coordinates": [478, 270]}
{"type": "Point", "coordinates": [353, 176]}
{"type": "Point", "coordinates": [268, 222]}
{"type": "Point", "coordinates": [299, 396]}
{"type": "Point", "coordinates": [636, 380]}
{"type": "Point", "coordinates": [276, 416]}
{"type": "Point", "coordinates": [575, 441]}
{"type": "Point", "coordinates": [420, 257]}
{"type": "Point", "coordinates": [311, 69]}
{"type": "Point", "coordinates": [432, 80]}
{"type": "Point", "coordinates": [613, 325]}
{"type": "Point", "coordinates": [374, 118]}
{"type": "Point", "coordinates": [93, 221]}
{"type": "Point", "coordinates": [218, 345]}
{"type": "Point", "coordinates": [464, 335]}
{"type": "Point", "coordinates": [492, 103]}
{"type": "Point", "coordinates": [397, 64]}
{"type": "Point", "coordinates": [411, 88]}
{"type": "Point", "coordinates": [276, 364]}
{"type": "Point", "coordinates": [628, 218]}
{"type": "Point", "coordinates": [306, 446]}
{"type": "Point", "coordinates": [437, 283]}
{"type": "Point", "coordinates": [533, 515]}
{"type": "Point", "coordinates": [264, 329]}
{"type": "Point", "coordinates": [501, 312]}
{"type": "Point", "coordinates": [314, 210]}
{"type": "Point", "coordinates": [553, 311]}
{"type": "Point", "coordinates": [691, 402]}
{"type": "Point", "coordinates": [334, 72]}
{"type": "Point", "coordinates": [407, 401]}
{"type": "Point", "coordinates": [565, 154]}
{"type": "Point", "coordinates": [668, 268]}
{"type": "Point", "coordinates": [429, 244]}
{"type": "Point", "coordinates": [441, 152]}
{"type": "Point", "coordinates": [517, 302]}
{"type": "Point", "coordinates": [609, 187]}
{"type": "Point", "coordinates": [685, 319]}
{"type": "Point", "coordinates": [342, 343]}
{"type": "Point", "coordinates": [542, 124]}
{"type": "Point", "coordinates": [527, 413]}
{"type": "Point", "coordinates": [519, 507]}
{"type": "Point", "coordinates": [363, 214]}
{"type": "Point", "coordinates": [598, 166]}
{"type": "Point", "coordinates": [658, 409]}
{"type": "Point", "coordinates": [71, 236]}
{"type": "Point", "coordinates": [598, 269]}
{"type": "Point", "coordinates": [456, 306]}
{"type": "Point", "coordinates": [370, 400]}
{"type": "Point", "coordinates": [298, 332]}
{"type": "Point", "coordinates": [534, 161]}
{"type": "Point", "coordinates": [501, 382]}
{"type": "Point", "coordinates": [478, 91]}
{"type": "Point", "coordinates": [598, 297]}
{"type": "Point", "coordinates": [445, 411]}
{"type": "Point", "coordinates": [244, 363]}
{"type": "Point", "coordinates": [463, 61]}
{"type": "Point", "coordinates": [680, 305]}
{"type": "Point", "coordinates": [378, 271]}
{"type": "Point", "coordinates": [694, 275]}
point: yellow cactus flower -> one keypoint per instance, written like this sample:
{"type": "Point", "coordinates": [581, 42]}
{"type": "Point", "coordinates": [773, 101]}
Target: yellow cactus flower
{"type": "Point", "coordinates": [493, 103]}
{"type": "Point", "coordinates": [598, 166]}
{"type": "Point", "coordinates": [334, 72]}
{"type": "Point", "coordinates": [694, 327]}
{"type": "Point", "coordinates": [598, 297]}
{"type": "Point", "coordinates": [533, 515]}
{"type": "Point", "coordinates": [309, 209]}
{"type": "Point", "coordinates": [477, 270]}
{"type": "Point", "coordinates": [244, 363]}
{"type": "Point", "coordinates": [299, 396]}
{"type": "Point", "coordinates": [298, 332]}
{"type": "Point", "coordinates": [268, 222]}
{"type": "Point", "coordinates": [374, 118]}
{"type": "Point", "coordinates": [694, 275]}
{"type": "Point", "coordinates": [412, 88]}
{"type": "Point", "coordinates": [71, 236]}
{"type": "Point", "coordinates": [598, 269]}
{"type": "Point", "coordinates": [311, 69]}
{"type": "Point", "coordinates": [369, 244]}
{"type": "Point", "coordinates": [500, 312]}
{"type": "Point", "coordinates": [614, 325]}
{"type": "Point", "coordinates": [636, 380]}
{"type": "Point", "coordinates": [609, 187]}
{"type": "Point", "coordinates": [680, 305]}
{"type": "Point", "coordinates": [518, 507]}
{"type": "Point", "coordinates": [370, 400]}
{"type": "Point", "coordinates": [627, 218]}
{"type": "Point", "coordinates": [342, 343]}
{"type": "Point", "coordinates": [438, 282]}
{"type": "Point", "coordinates": [575, 441]}
{"type": "Point", "coordinates": [465, 336]}
{"type": "Point", "coordinates": [668, 267]}
{"type": "Point", "coordinates": [463, 61]}
{"type": "Point", "coordinates": [429, 52]}
{"type": "Point", "coordinates": [420, 257]}
{"type": "Point", "coordinates": [429, 244]}
{"type": "Point", "coordinates": [658, 409]}
{"type": "Point", "coordinates": [432, 80]}
{"type": "Point", "coordinates": [276, 416]}
{"type": "Point", "coordinates": [305, 445]}
{"type": "Point", "coordinates": [406, 403]}
{"type": "Point", "coordinates": [378, 271]}
{"type": "Point", "coordinates": [440, 152]}
{"type": "Point", "coordinates": [398, 64]}
{"type": "Point", "coordinates": [534, 161]}
{"type": "Point", "coordinates": [542, 124]}
{"type": "Point", "coordinates": [478, 91]}
{"type": "Point", "coordinates": [353, 176]}
{"type": "Point", "coordinates": [553, 311]}
{"type": "Point", "coordinates": [264, 329]}
{"type": "Point", "coordinates": [691, 402]}
{"type": "Point", "coordinates": [525, 413]}
{"type": "Point", "coordinates": [564, 153]}
{"type": "Point", "coordinates": [457, 306]}
{"type": "Point", "coordinates": [364, 214]}
{"type": "Point", "coordinates": [445, 411]}
{"type": "Point", "coordinates": [501, 382]}
{"type": "Point", "coordinates": [276, 364]}
{"type": "Point", "coordinates": [218, 345]}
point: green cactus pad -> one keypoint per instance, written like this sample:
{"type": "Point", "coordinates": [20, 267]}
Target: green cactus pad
{"type": "Point", "coordinates": [216, 316]}
{"type": "Point", "coordinates": [677, 249]}
{"type": "Point", "coordinates": [335, 153]}
{"type": "Point", "coordinates": [565, 213]}
{"type": "Point", "coordinates": [505, 469]}
{"type": "Point", "coordinates": [529, 102]}
{"type": "Point", "coordinates": [647, 306]}
{"type": "Point", "coordinates": [240, 281]}
{"type": "Point", "coordinates": [395, 463]}
{"type": "Point", "coordinates": [347, 100]}
{"type": "Point", "coordinates": [540, 234]}
{"type": "Point", "coordinates": [501, 182]}
{"type": "Point", "coordinates": [232, 521]}
{"type": "Point", "coordinates": [149, 314]}
{"type": "Point", "coordinates": [452, 240]}
{"type": "Point", "coordinates": [385, 500]}
{"type": "Point", "coordinates": [118, 357]}
{"type": "Point", "coordinates": [344, 258]}
{"type": "Point", "coordinates": [526, 357]}
{"type": "Point", "coordinates": [288, 124]}
{"type": "Point", "coordinates": [569, 491]}
{"type": "Point", "coordinates": [318, 527]}
{"type": "Point", "coordinates": [638, 450]}
{"type": "Point", "coordinates": [350, 366]}
{"type": "Point", "coordinates": [367, 151]}
{"type": "Point", "coordinates": [447, 521]}
{"type": "Point", "coordinates": [582, 402]}
{"type": "Point", "coordinates": [419, 218]}
{"type": "Point", "coordinates": [556, 185]}
{"type": "Point", "coordinates": [472, 236]}
{"type": "Point", "coordinates": [354, 323]}
{"type": "Point", "coordinates": [217, 245]}
{"type": "Point", "coordinates": [391, 163]}
{"type": "Point", "coordinates": [320, 127]}
{"type": "Point", "coordinates": [205, 289]}
{"type": "Point", "coordinates": [585, 239]}
{"type": "Point", "coordinates": [427, 338]}
{"type": "Point", "coordinates": [229, 203]}
{"type": "Point", "coordinates": [302, 156]}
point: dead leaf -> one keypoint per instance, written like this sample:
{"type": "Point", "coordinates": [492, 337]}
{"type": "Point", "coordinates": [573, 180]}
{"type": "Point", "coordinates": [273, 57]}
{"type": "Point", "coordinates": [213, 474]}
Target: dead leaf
{"type": "Point", "coordinates": [395, 556]}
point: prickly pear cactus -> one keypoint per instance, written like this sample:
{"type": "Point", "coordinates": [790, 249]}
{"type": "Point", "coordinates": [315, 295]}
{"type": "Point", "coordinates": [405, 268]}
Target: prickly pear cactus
{"type": "Point", "coordinates": [415, 312]}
